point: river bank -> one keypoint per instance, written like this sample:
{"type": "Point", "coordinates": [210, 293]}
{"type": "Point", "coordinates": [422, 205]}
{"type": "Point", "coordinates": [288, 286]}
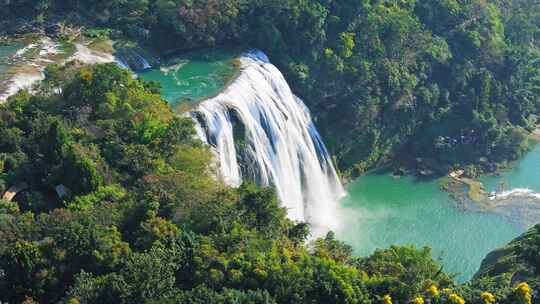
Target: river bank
{"type": "Point", "coordinates": [26, 56]}
{"type": "Point", "coordinates": [25, 67]}
{"type": "Point", "coordinates": [495, 192]}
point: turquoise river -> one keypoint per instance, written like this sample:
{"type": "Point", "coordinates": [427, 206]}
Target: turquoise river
{"type": "Point", "coordinates": [191, 77]}
{"type": "Point", "coordinates": [381, 210]}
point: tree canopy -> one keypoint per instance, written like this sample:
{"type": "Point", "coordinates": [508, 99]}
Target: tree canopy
{"type": "Point", "coordinates": [145, 221]}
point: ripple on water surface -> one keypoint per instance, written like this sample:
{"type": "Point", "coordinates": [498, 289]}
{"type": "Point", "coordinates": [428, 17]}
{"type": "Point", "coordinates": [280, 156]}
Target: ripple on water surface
{"type": "Point", "coordinates": [193, 76]}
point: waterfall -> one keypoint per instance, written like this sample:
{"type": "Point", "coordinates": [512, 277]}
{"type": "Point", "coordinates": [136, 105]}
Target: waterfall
{"type": "Point", "coordinates": [260, 130]}
{"type": "Point", "coordinates": [128, 57]}
{"type": "Point", "coordinates": [141, 62]}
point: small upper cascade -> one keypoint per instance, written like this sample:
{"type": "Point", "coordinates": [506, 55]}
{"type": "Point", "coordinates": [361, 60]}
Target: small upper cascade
{"type": "Point", "coordinates": [260, 130]}
{"type": "Point", "coordinates": [129, 57]}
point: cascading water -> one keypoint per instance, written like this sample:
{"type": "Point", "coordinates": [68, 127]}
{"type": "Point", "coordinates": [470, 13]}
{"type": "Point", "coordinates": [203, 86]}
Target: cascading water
{"type": "Point", "coordinates": [129, 58]}
{"type": "Point", "coordinates": [260, 130]}
{"type": "Point", "coordinates": [143, 62]}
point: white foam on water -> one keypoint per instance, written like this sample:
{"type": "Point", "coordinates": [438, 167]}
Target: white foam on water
{"type": "Point", "coordinates": [19, 82]}
{"type": "Point", "coordinates": [514, 193]}
{"type": "Point", "coordinates": [27, 78]}
{"type": "Point", "coordinates": [25, 49]}
{"type": "Point", "coordinates": [86, 55]}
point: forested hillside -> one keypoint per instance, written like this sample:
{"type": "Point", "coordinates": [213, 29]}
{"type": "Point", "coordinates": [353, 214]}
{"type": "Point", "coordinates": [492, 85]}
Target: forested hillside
{"type": "Point", "coordinates": [141, 220]}
{"type": "Point", "coordinates": [430, 84]}
{"type": "Point", "coordinates": [117, 200]}
{"type": "Point", "coordinates": [519, 260]}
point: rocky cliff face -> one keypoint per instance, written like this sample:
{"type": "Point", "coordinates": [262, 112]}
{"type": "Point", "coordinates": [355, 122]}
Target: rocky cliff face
{"type": "Point", "coordinates": [516, 262]}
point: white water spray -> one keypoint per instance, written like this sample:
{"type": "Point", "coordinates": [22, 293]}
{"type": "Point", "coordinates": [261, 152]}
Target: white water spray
{"type": "Point", "coordinates": [514, 194]}
{"type": "Point", "coordinates": [519, 205]}
{"type": "Point", "coordinates": [277, 143]}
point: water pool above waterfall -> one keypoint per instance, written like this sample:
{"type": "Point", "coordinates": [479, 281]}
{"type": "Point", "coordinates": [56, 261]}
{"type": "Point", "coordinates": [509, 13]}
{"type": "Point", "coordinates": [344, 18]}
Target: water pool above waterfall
{"type": "Point", "coordinates": [193, 76]}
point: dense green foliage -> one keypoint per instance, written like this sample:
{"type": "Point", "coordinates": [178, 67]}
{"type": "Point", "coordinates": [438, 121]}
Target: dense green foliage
{"type": "Point", "coordinates": [503, 269]}
{"type": "Point", "coordinates": [145, 222]}
{"type": "Point", "coordinates": [431, 84]}
{"type": "Point", "coordinates": [519, 260]}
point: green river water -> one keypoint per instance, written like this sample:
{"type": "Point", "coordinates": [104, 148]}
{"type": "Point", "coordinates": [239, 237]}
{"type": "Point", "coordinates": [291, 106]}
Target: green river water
{"type": "Point", "coordinates": [381, 210]}
{"type": "Point", "coordinates": [191, 77]}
